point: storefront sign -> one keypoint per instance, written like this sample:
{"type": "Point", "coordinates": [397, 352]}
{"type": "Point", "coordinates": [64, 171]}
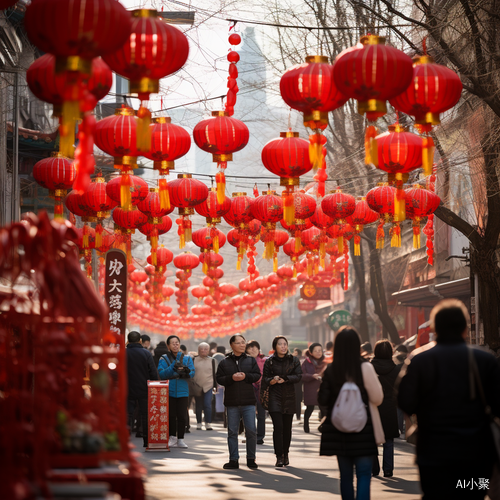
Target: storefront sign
{"type": "Point", "coordinates": [339, 318]}
{"type": "Point", "coordinates": [115, 288]}
{"type": "Point", "coordinates": [309, 291]}
{"type": "Point", "coordinates": [158, 432]}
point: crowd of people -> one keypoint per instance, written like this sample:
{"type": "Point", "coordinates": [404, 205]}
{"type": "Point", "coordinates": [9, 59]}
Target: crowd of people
{"type": "Point", "coordinates": [366, 398]}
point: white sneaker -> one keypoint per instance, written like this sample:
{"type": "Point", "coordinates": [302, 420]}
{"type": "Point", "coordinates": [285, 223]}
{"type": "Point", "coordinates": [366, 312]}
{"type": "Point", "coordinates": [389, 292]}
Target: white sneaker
{"type": "Point", "coordinates": [181, 443]}
{"type": "Point", "coordinates": [198, 426]}
{"type": "Point", "coordinates": [172, 442]}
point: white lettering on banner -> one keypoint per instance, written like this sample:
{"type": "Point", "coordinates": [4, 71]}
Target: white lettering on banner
{"type": "Point", "coordinates": [115, 267]}
{"type": "Point", "coordinates": [115, 329]}
{"type": "Point", "coordinates": [115, 317]}
{"type": "Point", "coordinates": [115, 302]}
{"type": "Point", "coordinates": [114, 286]}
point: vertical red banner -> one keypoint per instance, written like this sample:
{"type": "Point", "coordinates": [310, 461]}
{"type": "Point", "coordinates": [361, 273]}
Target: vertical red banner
{"type": "Point", "coordinates": [115, 289]}
{"type": "Point", "coordinates": [158, 428]}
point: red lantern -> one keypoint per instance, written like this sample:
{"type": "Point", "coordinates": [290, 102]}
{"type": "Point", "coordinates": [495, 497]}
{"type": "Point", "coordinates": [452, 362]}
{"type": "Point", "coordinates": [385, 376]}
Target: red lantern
{"type": "Point", "coordinates": [163, 257]}
{"type": "Point", "coordinates": [126, 222]}
{"type": "Point", "coordinates": [268, 209]}
{"type": "Point", "coordinates": [372, 73]}
{"type": "Point", "coordinates": [75, 32]}
{"type": "Point", "coordinates": [420, 203]}
{"type": "Point", "coordinates": [287, 157]}
{"type": "Point", "coordinates": [291, 250]}
{"type": "Point", "coordinates": [339, 206]}
{"type": "Point", "coordinates": [310, 89]}
{"type": "Point", "coordinates": [185, 194]}
{"type": "Point", "coordinates": [151, 205]}
{"type": "Point", "coordinates": [221, 135]}
{"type": "Point", "coordinates": [240, 213]}
{"type": "Point", "coordinates": [153, 229]}
{"type": "Point", "coordinates": [204, 239]}
{"type": "Point", "coordinates": [56, 174]}
{"type": "Point", "coordinates": [138, 189]}
{"type": "Point", "coordinates": [361, 216]}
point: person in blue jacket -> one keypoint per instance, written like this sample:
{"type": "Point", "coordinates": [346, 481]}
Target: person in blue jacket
{"type": "Point", "coordinates": [177, 368]}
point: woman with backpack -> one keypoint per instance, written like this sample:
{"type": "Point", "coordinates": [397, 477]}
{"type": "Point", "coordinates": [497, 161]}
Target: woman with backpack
{"type": "Point", "coordinates": [351, 392]}
{"type": "Point", "coordinates": [312, 372]}
{"type": "Point", "coordinates": [387, 372]}
{"type": "Point", "coordinates": [277, 392]}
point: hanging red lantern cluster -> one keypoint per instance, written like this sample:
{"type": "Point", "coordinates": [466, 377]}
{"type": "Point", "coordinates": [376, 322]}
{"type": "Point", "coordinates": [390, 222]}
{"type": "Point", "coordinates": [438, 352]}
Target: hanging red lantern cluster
{"type": "Point", "coordinates": [287, 157]}
{"type": "Point", "coordinates": [268, 209]}
{"type": "Point", "coordinates": [362, 216]}
{"type": "Point", "coordinates": [381, 200]}
{"type": "Point", "coordinates": [56, 174]}
{"type": "Point", "coordinates": [213, 211]}
{"type": "Point", "coordinates": [153, 50]}
{"type": "Point", "coordinates": [75, 33]}
{"type": "Point", "coordinates": [185, 262]}
{"type": "Point", "coordinates": [221, 135]}
{"type": "Point", "coordinates": [126, 222]}
{"type": "Point", "coordinates": [420, 203]}
{"type": "Point", "coordinates": [185, 194]}
{"type": "Point", "coordinates": [233, 57]}
{"type": "Point", "coordinates": [339, 206]}
{"type": "Point", "coordinates": [169, 142]}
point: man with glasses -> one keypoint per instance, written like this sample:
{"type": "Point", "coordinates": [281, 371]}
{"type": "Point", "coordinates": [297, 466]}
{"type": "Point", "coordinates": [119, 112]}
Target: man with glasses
{"type": "Point", "coordinates": [237, 372]}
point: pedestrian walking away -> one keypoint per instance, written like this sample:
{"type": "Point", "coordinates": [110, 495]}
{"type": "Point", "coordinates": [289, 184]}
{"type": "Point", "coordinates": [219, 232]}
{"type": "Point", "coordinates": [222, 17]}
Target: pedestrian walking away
{"type": "Point", "coordinates": [387, 372]}
{"type": "Point", "coordinates": [281, 372]}
{"type": "Point", "coordinates": [204, 380]}
{"type": "Point", "coordinates": [177, 368]}
{"type": "Point", "coordinates": [312, 372]}
{"type": "Point", "coordinates": [237, 372]}
{"type": "Point", "coordinates": [354, 450]}
{"type": "Point", "coordinates": [160, 349]}
{"type": "Point", "coordinates": [140, 369]}
{"type": "Point", "coordinates": [253, 349]}
{"type": "Point", "coordinates": [442, 386]}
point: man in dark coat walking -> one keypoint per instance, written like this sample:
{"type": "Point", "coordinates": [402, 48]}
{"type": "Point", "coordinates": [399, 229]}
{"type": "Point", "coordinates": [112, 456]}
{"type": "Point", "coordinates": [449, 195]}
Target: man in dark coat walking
{"type": "Point", "coordinates": [237, 372]}
{"type": "Point", "coordinates": [140, 369]}
{"type": "Point", "coordinates": [454, 442]}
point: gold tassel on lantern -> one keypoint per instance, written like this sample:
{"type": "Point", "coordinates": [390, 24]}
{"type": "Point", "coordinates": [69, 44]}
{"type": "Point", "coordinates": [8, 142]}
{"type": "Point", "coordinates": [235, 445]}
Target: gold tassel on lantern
{"type": "Point", "coordinates": [269, 253]}
{"type": "Point", "coordinates": [416, 233]}
{"type": "Point", "coordinates": [215, 239]}
{"type": "Point", "coordinates": [188, 229]}
{"type": "Point", "coordinates": [98, 235]}
{"type": "Point", "coordinates": [298, 242]}
{"type": "Point", "coordinates": [164, 194]}
{"type": "Point", "coordinates": [288, 205]}
{"type": "Point", "coordinates": [70, 115]}
{"type": "Point", "coordinates": [380, 235]}
{"type": "Point", "coordinates": [143, 129]}
{"type": "Point", "coordinates": [181, 233]}
{"type": "Point", "coordinates": [399, 200]}
{"type": "Point", "coordinates": [85, 237]}
{"type": "Point", "coordinates": [322, 253]}
{"type": "Point", "coordinates": [275, 262]}
{"type": "Point", "coordinates": [309, 266]}
{"type": "Point", "coordinates": [315, 150]}
{"type": "Point", "coordinates": [340, 243]}
{"type": "Point", "coordinates": [395, 235]}
{"type": "Point", "coordinates": [427, 154]}
{"type": "Point", "coordinates": [205, 266]}
{"type": "Point", "coordinates": [220, 180]}
{"type": "Point", "coordinates": [238, 262]}
{"type": "Point", "coordinates": [371, 153]}
{"type": "Point", "coordinates": [357, 245]}
{"type": "Point", "coordinates": [125, 194]}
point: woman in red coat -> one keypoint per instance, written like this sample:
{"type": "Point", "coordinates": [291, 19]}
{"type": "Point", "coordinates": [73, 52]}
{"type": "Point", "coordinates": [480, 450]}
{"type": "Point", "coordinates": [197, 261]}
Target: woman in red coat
{"type": "Point", "coordinates": [312, 372]}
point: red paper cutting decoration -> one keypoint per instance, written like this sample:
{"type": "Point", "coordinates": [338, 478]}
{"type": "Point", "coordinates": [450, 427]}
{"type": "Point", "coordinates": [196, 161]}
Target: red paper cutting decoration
{"type": "Point", "coordinates": [56, 174]}
{"type": "Point", "coordinates": [169, 142]}
{"type": "Point", "coordinates": [153, 51]}
{"type": "Point", "coordinates": [185, 194]}
{"type": "Point", "coordinates": [75, 32]}
{"type": "Point", "coordinates": [398, 152]}
{"type": "Point", "coordinates": [221, 135]}
{"type": "Point", "coordinates": [287, 157]}
{"type": "Point", "coordinates": [213, 211]}
{"type": "Point", "coordinates": [268, 209]}
{"type": "Point", "coordinates": [361, 216]}
{"type": "Point", "coordinates": [339, 206]}
{"type": "Point", "coordinates": [420, 203]}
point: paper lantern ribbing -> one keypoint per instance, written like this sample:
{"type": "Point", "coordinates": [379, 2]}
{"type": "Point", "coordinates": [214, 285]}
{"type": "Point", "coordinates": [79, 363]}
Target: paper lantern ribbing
{"type": "Point", "coordinates": [372, 72]}
{"type": "Point", "coordinates": [287, 157]}
{"type": "Point", "coordinates": [221, 135]}
{"type": "Point", "coordinates": [56, 174]}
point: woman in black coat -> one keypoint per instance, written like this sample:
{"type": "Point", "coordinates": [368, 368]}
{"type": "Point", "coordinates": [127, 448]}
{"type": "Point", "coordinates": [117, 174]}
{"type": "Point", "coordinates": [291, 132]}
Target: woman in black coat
{"type": "Point", "coordinates": [281, 372]}
{"type": "Point", "coordinates": [387, 372]}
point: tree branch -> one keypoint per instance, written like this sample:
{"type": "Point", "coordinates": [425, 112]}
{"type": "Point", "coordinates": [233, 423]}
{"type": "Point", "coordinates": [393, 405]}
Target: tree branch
{"type": "Point", "coordinates": [453, 220]}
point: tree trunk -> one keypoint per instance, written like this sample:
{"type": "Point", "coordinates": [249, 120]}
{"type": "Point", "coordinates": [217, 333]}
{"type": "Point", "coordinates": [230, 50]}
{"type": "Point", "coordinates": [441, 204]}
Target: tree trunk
{"type": "Point", "coordinates": [359, 270]}
{"type": "Point", "coordinates": [377, 290]}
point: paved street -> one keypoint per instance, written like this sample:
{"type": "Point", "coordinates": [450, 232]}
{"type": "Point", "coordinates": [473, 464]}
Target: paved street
{"type": "Point", "coordinates": [196, 473]}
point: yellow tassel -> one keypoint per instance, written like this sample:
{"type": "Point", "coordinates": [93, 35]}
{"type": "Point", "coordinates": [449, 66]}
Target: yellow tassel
{"type": "Point", "coordinates": [298, 244]}
{"type": "Point", "coordinates": [294, 272]}
{"type": "Point", "coordinates": [216, 243]}
{"type": "Point", "coordinates": [164, 194]}
{"type": "Point", "coordinates": [269, 249]}
{"type": "Point", "coordinates": [399, 209]}
{"type": "Point", "coordinates": [374, 152]}
{"type": "Point", "coordinates": [340, 244]}
{"type": "Point", "coordinates": [205, 267]}
{"type": "Point", "coordinates": [143, 129]}
{"type": "Point", "coordinates": [125, 194]}
{"type": "Point", "coordinates": [275, 263]}
{"type": "Point", "coordinates": [322, 253]}
{"type": "Point", "coordinates": [309, 267]}
{"type": "Point", "coordinates": [188, 234]}
{"type": "Point", "coordinates": [154, 242]}
{"type": "Point", "coordinates": [370, 156]}
{"type": "Point", "coordinates": [288, 207]}
{"type": "Point", "coordinates": [154, 260]}
{"type": "Point", "coordinates": [357, 249]}
{"type": "Point", "coordinates": [98, 239]}
{"type": "Point", "coordinates": [70, 115]}
{"type": "Point", "coordinates": [316, 268]}
{"type": "Point", "coordinates": [220, 179]}
{"type": "Point", "coordinates": [182, 241]}
{"type": "Point", "coordinates": [238, 263]}
{"type": "Point", "coordinates": [416, 241]}
{"type": "Point", "coordinates": [427, 155]}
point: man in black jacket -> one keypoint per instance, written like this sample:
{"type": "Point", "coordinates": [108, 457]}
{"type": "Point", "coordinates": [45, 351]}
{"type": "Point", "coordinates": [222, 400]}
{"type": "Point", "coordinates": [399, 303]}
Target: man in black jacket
{"type": "Point", "coordinates": [237, 372]}
{"type": "Point", "coordinates": [455, 451]}
{"type": "Point", "coordinates": [140, 369]}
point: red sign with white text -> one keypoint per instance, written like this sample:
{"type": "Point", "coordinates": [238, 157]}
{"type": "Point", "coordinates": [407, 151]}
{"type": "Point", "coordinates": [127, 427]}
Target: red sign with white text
{"type": "Point", "coordinates": [158, 428]}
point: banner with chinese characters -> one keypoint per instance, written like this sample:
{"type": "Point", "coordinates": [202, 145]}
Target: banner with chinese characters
{"type": "Point", "coordinates": [158, 415]}
{"type": "Point", "coordinates": [115, 289]}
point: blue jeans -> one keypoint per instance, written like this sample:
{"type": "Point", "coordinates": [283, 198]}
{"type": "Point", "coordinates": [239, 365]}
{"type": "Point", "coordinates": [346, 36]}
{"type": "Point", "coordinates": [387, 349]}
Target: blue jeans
{"type": "Point", "coordinates": [234, 414]}
{"type": "Point", "coordinates": [363, 474]}
{"type": "Point", "coordinates": [204, 403]}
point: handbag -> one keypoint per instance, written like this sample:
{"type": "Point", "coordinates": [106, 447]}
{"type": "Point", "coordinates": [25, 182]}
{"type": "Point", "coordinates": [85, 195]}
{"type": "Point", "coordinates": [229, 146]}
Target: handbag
{"type": "Point", "coordinates": [493, 420]}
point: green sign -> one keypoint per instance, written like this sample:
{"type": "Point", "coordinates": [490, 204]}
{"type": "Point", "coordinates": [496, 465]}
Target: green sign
{"type": "Point", "coordinates": [339, 318]}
